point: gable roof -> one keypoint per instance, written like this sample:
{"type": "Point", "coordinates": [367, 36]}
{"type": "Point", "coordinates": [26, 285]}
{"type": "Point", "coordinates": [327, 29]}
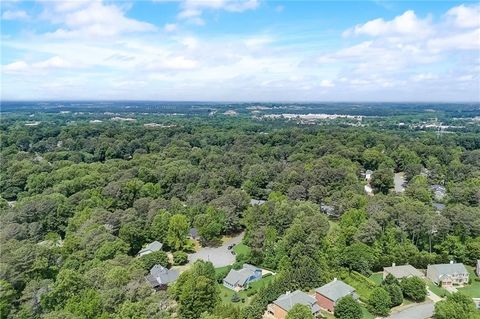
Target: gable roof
{"type": "Point", "coordinates": [153, 246]}
{"type": "Point", "coordinates": [239, 277]}
{"type": "Point", "coordinates": [403, 271]}
{"type": "Point", "coordinates": [336, 290]}
{"type": "Point", "coordinates": [163, 275]}
{"type": "Point", "coordinates": [288, 300]}
{"type": "Point", "coordinates": [448, 269]}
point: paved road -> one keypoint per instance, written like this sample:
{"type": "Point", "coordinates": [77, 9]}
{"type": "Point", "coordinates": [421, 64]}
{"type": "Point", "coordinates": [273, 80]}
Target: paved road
{"type": "Point", "coordinates": [219, 256]}
{"type": "Point", "coordinates": [420, 311]}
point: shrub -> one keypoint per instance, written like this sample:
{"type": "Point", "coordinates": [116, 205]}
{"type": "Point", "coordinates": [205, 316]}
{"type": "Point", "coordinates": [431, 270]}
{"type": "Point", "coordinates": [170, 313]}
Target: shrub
{"type": "Point", "coordinates": [414, 288]}
{"type": "Point", "coordinates": [379, 302]}
{"type": "Point", "coordinates": [180, 258]}
{"type": "Point", "coordinates": [395, 293]}
{"type": "Point", "coordinates": [157, 257]}
{"type": "Point", "coordinates": [348, 308]}
{"type": "Point", "coordinates": [235, 298]}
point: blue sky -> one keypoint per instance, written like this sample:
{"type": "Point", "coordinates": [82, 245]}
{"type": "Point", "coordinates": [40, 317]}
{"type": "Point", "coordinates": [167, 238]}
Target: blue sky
{"type": "Point", "coordinates": [241, 50]}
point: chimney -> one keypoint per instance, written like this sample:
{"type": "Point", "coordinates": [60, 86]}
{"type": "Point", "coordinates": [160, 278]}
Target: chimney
{"type": "Point", "coordinates": [393, 265]}
{"type": "Point", "coordinates": [451, 261]}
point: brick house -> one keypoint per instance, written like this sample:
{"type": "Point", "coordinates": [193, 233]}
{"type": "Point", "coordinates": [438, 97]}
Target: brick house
{"type": "Point", "coordinates": [328, 295]}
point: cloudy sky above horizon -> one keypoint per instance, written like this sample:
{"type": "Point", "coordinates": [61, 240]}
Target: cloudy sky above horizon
{"type": "Point", "coordinates": [240, 50]}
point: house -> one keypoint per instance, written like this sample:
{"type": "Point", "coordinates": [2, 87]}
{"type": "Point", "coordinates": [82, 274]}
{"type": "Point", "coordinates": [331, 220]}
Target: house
{"type": "Point", "coordinates": [400, 272]}
{"type": "Point", "coordinates": [328, 295]}
{"type": "Point", "coordinates": [150, 248]}
{"type": "Point", "coordinates": [446, 275]}
{"type": "Point", "coordinates": [193, 233]}
{"type": "Point", "coordinates": [239, 279]}
{"type": "Point", "coordinates": [478, 268]}
{"type": "Point", "coordinates": [160, 277]}
{"type": "Point", "coordinates": [280, 307]}
{"type": "Point", "coordinates": [259, 202]}
{"type": "Point", "coordinates": [439, 191]}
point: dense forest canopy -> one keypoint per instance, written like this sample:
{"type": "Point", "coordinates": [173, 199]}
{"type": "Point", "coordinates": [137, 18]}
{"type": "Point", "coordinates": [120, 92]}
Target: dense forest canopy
{"type": "Point", "coordinates": [79, 199]}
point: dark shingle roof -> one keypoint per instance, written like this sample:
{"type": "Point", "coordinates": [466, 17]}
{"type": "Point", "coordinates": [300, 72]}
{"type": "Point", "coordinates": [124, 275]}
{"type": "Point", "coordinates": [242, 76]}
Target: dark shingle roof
{"type": "Point", "coordinates": [163, 275]}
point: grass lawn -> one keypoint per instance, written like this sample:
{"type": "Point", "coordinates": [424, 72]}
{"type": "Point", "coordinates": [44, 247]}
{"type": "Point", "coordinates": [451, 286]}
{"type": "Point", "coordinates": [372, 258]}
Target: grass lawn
{"type": "Point", "coordinates": [221, 269]}
{"type": "Point", "coordinates": [241, 249]}
{"type": "Point", "coordinates": [439, 291]}
{"type": "Point", "coordinates": [362, 284]}
{"type": "Point", "coordinates": [472, 290]}
{"type": "Point", "coordinates": [366, 313]}
{"type": "Point", "coordinates": [377, 277]}
{"type": "Point", "coordinates": [226, 294]}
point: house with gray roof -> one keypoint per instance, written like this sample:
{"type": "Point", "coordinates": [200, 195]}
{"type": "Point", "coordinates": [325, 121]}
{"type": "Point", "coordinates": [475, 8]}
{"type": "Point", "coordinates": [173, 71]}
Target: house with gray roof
{"type": "Point", "coordinates": [403, 271]}
{"type": "Point", "coordinates": [328, 295]}
{"type": "Point", "coordinates": [160, 277]}
{"type": "Point", "coordinates": [447, 275]}
{"type": "Point", "coordinates": [240, 279]}
{"type": "Point", "coordinates": [150, 248]}
{"type": "Point", "coordinates": [279, 308]}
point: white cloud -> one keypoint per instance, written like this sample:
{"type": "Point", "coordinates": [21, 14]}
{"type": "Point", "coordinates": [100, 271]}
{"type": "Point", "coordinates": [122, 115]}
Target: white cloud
{"type": "Point", "coordinates": [406, 24]}
{"type": "Point", "coordinates": [53, 63]}
{"type": "Point", "coordinates": [14, 15]}
{"type": "Point", "coordinates": [17, 66]}
{"type": "Point", "coordinates": [465, 16]}
{"type": "Point", "coordinates": [92, 19]}
{"type": "Point", "coordinates": [327, 83]}
{"type": "Point", "coordinates": [461, 41]}
{"type": "Point", "coordinates": [23, 67]}
{"type": "Point", "coordinates": [170, 27]}
{"type": "Point", "coordinates": [192, 9]}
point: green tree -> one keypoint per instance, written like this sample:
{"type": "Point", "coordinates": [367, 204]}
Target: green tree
{"type": "Point", "coordinates": [382, 180]}
{"type": "Point", "coordinates": [358, 257]}
{"type": "Point", "coordinates": [87, 305]}
{"type": "Point", "coordinates": [131, 310]}
{"type": "Point", "coordinates": [414, 288]}
{"type": "Point", "coordinates": [177, 231]}
{"type": "Point", "coordinates": [199, 294]}
{"type": "Point", "coordinates": [7, 295]}
{"type": "Point", "coordinates": [300, 311]}
{"type": "Point", "coordinates": [152, 259]}
{"type": "Point", "coordinates": [159, 228]}
{"type": "Point", "coordinates": [396, 294]}
{"type": "Point", "coordinates": [456, 306]}
{"type": "Point", "coordinates": [379, 302]}
{"type": "Point", "coordinates": [348, 308]}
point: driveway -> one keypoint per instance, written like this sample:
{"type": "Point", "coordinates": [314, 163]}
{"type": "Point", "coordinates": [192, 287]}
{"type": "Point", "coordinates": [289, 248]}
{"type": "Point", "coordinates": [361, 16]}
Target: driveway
{"type": "Point", "coordinates": [219, 256]}
{"type": "Point", "coordinates": [416, 311]}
